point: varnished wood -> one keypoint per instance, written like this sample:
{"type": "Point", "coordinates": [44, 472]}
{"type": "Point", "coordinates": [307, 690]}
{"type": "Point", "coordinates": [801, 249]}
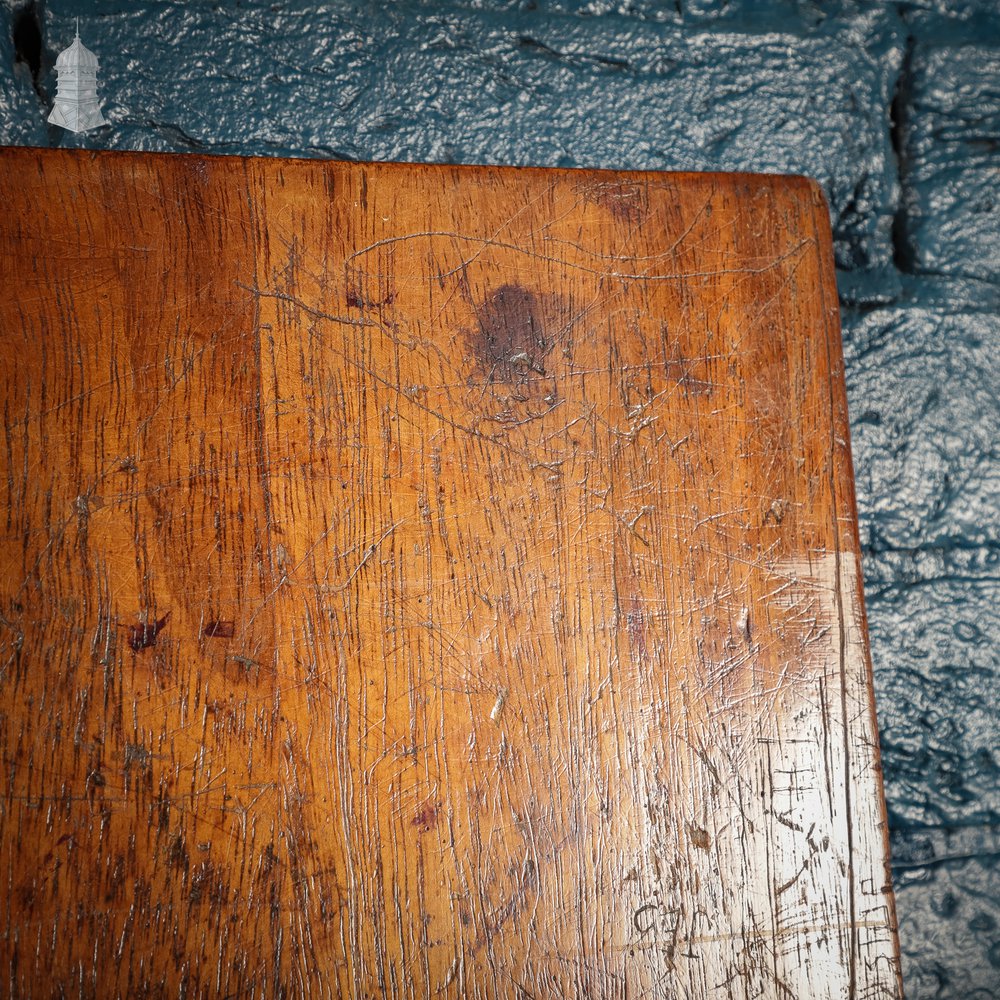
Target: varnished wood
{"type": "Point", "coordinates": [429, 582]}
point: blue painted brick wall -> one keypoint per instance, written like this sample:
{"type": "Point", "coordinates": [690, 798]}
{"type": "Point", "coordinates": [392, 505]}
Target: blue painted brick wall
{"type": "Point", "coordinates": [894, 107]}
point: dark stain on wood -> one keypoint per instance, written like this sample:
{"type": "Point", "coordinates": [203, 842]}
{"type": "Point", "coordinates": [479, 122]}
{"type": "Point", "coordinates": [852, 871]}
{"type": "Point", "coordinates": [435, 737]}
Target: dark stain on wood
{"type": "Point", "coordinates": [207, 885]}
{"type": "Point", "coordinates": [512, 339]}
{"type": "Point", "coordinates": [219, 629]}
{"type": "Point", "coordinates": [699, 837]}
{"type": "Point", "coordinates": [136, 755]}
{"type": "Point", "coordinates": [628, 203]}
{"type": "Point", "coordinates": [426, 818]}
{"type": "Point", "coordinates": [143, 635]}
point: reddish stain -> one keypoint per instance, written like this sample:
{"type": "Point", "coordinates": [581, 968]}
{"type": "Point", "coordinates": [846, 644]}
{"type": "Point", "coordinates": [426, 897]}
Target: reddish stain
{"type": "Point", "coordinates": [426, 819]}
{"type": "Point", "coordinates": [628, 203]}
{"type": "Point", "coordinates": [221, 629]}
{"type": "Point", "coordinates": [143, 636]}
{"type": "Point", "coordinates": [50, 855]}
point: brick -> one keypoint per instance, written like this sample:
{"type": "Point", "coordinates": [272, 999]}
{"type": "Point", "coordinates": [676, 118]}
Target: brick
{"type": "Point", "coordinates": [934, 628]}
{"type": "Point", "coordinates": [951, 151]}
{"type": "Point", "coordinates": [924, 391]}
{"type": "Point", "coordinates": [949, 914]}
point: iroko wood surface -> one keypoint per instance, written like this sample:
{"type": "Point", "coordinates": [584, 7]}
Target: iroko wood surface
{"type": "Point", "coordinates": [429, 582]}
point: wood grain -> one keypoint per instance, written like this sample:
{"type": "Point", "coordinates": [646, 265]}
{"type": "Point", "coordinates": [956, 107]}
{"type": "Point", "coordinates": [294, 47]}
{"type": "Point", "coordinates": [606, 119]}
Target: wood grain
{"type": "Point", "coordinates": [429, 582]}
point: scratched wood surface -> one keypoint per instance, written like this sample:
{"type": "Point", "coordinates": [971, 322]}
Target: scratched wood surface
{"type": "Point", "coordinates": [429, 582]}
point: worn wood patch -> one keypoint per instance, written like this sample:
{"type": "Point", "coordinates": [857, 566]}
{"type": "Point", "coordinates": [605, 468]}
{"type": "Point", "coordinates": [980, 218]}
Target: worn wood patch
{"type": "Point", "coordinates": [429, 582]}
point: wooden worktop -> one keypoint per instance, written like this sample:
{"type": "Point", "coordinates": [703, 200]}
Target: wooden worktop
{"type": "Point", "coordinates": [429, 582]}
